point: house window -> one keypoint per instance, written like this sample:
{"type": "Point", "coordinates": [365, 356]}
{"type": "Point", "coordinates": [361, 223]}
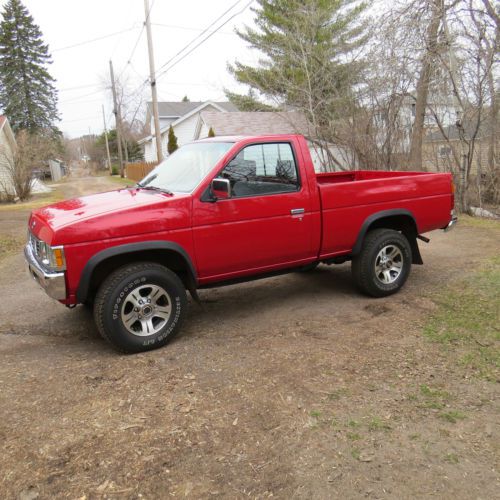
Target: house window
{"type": "Point", "coordinates": [444, 151]}
{"type": "Point", "coordinates": [262, 169]}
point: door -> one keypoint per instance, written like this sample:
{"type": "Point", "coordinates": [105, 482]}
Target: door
{"type": "Point", "coordinates": [265, 224]}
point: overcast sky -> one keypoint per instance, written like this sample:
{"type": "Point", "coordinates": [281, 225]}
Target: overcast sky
{"type": "Point", "coordinates": [202, 75]}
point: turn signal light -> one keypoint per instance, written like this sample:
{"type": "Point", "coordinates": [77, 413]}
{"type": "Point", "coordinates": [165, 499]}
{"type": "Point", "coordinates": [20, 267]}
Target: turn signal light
{"type": "Point", "coordinates": [59, 257]}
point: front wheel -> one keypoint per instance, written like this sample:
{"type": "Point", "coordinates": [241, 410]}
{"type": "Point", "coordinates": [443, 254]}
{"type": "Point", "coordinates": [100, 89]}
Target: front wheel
{"type": "Point", "coordinates": [140, 307]}
{"type": "Point", "coordinates": [384, 263]}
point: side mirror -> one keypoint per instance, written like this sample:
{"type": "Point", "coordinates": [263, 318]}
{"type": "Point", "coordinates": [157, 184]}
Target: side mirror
{"type": "Point", "coordinates": [221, 189]}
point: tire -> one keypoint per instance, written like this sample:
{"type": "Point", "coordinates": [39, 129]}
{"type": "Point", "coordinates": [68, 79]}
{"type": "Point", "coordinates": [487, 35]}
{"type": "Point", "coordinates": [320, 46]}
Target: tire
{"type": "Point", "coordinates": [383, 265]}
{"type": "Point", "coordinates": [126, 319]}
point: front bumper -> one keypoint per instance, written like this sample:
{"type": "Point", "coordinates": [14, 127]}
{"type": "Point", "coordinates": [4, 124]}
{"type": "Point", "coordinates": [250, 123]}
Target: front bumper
{"type": "Point", "coordinates": [53, 283]}
{"type": "Point", "coordinates": [451, 224]}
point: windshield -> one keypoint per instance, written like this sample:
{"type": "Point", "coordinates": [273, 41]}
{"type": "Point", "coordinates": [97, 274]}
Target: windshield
{"type": "Point", "coordinates": [183, 170]}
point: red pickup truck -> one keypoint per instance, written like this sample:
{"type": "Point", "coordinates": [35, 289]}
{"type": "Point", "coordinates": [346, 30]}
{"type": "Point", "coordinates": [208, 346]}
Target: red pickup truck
{"type": "Point", "coordinates": [224, 210]}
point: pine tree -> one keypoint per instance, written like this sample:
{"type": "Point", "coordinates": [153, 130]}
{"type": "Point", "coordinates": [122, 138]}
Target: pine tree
{"type": "Point", "coordinates": [309, 63]}
{"type": "Point", "coordinates": [27, 93]}
{"type": "Point", "coordinates": [248, 102]}
{"type": "Point", "coordinates": [185, 99]}
{"type": "Point", "coordinates": [172, 141]}
{"type": "Point", "coordinates": [211, 132]}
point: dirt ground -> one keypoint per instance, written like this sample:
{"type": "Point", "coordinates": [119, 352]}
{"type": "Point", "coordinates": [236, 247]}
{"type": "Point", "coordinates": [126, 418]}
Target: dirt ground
{"type": "Point", "coordinates": [289, 387]}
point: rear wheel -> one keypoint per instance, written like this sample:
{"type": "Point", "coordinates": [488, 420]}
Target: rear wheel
{"type": "Point", "coordinates": [140, 307]}
{"type": "Point", "coordinates": [384, 263]}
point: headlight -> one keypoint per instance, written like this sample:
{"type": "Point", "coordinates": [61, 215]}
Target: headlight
{"type": "Point", "coordinates": [50, 257]}
{"type": "Point", "coordinates": [54, 258]}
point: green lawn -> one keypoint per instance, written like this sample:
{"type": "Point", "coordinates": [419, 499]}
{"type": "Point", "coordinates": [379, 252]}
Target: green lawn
{"type": "Point", "coordinates": [122, 181]}
{"type": "Point", "coordinates": [467, 322]}
{"type": "Point", "coordinates": [36, 201]}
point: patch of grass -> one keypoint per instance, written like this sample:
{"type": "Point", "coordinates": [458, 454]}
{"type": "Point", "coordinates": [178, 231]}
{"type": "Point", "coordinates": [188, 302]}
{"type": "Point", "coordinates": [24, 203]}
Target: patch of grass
{"type": "Point", "coordinates": [431, 405]}
{"type": "Point", "coordinates": [355, 453]}
{"type": "Point", "coordinates": [337, 394]}
{"type": "Point", "coordinates": [468, 320]}
{"type": "Point", "coordinates": [452, 458]}
{"type": "Point", "coordinates": [377, 424]}
{"type": "Point", "coordinates": [353, 423]}
{"type": "Point", "coordinates": [122, 181]}
{"type": "Point", "coordinates": [452, 416]}
{"type": "Point", "coordinates": [434, 393]}
{"type": "Point", "coordinates": [467, 220]}
{"type": "Point", "coordinates": [9, 244]}
{"type": "Point", "coordinates": [413, 437]}
{"type": "Point", "coordinates": [37, 201]}
{"type": "Point", "coordinates": [353, 436]}
{"type": "Point", "coordinates": [315, 413]}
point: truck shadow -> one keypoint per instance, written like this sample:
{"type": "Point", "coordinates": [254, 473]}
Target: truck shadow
{"type": "Point", "coordinates": [281, 294]}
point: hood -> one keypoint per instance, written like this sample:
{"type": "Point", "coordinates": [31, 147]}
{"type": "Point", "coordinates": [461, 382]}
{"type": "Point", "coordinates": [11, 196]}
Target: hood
{"type": "Point", "coordinates": [108, 215]}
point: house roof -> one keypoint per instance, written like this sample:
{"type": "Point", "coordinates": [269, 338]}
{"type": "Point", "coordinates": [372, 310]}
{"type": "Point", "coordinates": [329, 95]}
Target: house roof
{"type": "Point", "coordinates": [452, 132]}
{"type": "Point", "coordinates": [255, 122]}
{"type": "Point", "coordinates": [177, 109]}
{"type": "Point", "coordinates": [193, 111]}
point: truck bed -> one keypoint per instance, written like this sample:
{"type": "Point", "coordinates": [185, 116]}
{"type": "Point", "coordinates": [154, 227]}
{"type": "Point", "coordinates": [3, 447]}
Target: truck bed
{"type": "Point", "coordinates": [349, 198]}
{"type": "Point", "coordinates": [361, 175]}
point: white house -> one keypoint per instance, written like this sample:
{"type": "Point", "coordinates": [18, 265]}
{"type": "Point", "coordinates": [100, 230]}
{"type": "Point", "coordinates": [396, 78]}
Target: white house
{"type": "Point", "coordinates": [184, 118]}
{"type": "Point", "coordinates": [7, 148]}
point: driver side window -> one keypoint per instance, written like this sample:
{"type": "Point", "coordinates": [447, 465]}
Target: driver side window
{"type": "Point", "coordinates": [262, 169]}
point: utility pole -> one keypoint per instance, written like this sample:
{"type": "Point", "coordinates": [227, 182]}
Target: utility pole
{"type": "Point", "coordinates": [118, 119]}
{"type": "Point", "coordinates": [106, 139]}
{"type": "Point", "coordinates": [152, 78]}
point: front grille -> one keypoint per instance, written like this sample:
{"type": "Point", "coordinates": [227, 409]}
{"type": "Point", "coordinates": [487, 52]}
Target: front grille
{"type": "Point", "coordinates": [37, 246]}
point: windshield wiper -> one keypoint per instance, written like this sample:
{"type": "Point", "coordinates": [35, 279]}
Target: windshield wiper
{"type": "Point", "coordinates": [155, 188]}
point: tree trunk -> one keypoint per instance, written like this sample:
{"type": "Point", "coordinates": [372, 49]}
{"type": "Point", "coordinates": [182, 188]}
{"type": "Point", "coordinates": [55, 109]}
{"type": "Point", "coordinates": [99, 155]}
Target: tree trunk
{"type": "Point", "coordinates": [493, 122]}
{"type": "Point", "coordinates": [422, 89]}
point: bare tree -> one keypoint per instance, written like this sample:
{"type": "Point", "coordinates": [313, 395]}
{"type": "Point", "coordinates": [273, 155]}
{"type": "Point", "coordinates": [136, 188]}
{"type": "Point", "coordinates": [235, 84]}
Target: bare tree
{"type": "Point", "coordinates": [422, 87]}
{"type": "Point", "coordinates": [30, 151]}
{"type": "Point", "coordinates": [469, 42]}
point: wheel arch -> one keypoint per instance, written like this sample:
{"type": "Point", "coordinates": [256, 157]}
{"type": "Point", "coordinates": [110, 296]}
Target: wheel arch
{"type": "Point", "coordinates": [167, 253]}
{"type": "Point", "coordinates": [398, 219]}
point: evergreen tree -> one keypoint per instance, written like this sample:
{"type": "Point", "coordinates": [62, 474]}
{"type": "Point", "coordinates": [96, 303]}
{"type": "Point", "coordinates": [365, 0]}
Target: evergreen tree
{"type": "Point", "coordinates": [248, 102]}
{"type": "Point", "coordinates": [172, 141]}
{"type": "Point", "coordinates": [211, 132]}
{"type": "Point", "coordinates": [185, 99]}
{"type": "Point", "coordinates": [27, 93]}
{"type": "Point", "coordinates": [309, 63]}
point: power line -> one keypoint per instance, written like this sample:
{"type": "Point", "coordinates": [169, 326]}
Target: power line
{"type": "Point", "coordinates": [76, 98]}
{"type": "Point", "coordinates": [202, 41]}
{"type": "Point", "coordinates": [186, 28]}
{"type": "Point", "coordinates": [80, 119]}
{"type": "Point", "coordinates": [79, 87]}
{"type": "Point", "coordinates": [200, 35]}
{"type": "Point", "coordinates": [82, 102]}
{"type": "Point", "coordinates": [79, 44]}
{"type": "Point", "coordinates": [129, 58]}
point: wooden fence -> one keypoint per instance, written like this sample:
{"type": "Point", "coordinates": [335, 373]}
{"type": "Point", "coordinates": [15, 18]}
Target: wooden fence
{"type": "Point", "coordinates": [137, 171]}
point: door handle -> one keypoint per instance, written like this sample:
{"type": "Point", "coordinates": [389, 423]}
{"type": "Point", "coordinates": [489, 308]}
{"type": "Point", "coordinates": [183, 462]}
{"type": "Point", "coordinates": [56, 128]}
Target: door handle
{"type": "Point", "coordinates": [297, 211]}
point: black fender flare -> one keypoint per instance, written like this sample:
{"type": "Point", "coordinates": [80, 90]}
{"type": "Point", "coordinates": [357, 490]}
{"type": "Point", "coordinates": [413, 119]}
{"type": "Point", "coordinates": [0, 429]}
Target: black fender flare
{"type": "Point", "coordinates": [417, 258]}
{"type": "Point", "coordinates": [128, 248]}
